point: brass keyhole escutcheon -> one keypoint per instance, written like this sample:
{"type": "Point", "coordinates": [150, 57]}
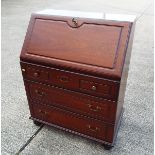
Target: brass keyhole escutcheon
{"type": "Point", "coordinates": [75, 21]}
{"type": "Point", "coordinates": [64, 79]}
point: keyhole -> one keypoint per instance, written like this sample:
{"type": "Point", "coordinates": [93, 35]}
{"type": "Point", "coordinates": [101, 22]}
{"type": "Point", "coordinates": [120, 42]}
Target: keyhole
{"type": "Point", "coordinates": [74, 21]}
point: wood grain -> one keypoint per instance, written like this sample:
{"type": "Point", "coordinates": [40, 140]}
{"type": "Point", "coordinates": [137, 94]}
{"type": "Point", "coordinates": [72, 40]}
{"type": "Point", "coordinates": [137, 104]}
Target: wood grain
{"type": "Point", "coordinates": [75, 73]}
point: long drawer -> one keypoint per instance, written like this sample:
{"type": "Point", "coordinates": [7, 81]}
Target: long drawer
{"type": "Point", "coordinates": [83, 125]}
{"type": "Point", "coordinates": [69, 80]}
{"type": "Point", "coordinates": [75, 102]}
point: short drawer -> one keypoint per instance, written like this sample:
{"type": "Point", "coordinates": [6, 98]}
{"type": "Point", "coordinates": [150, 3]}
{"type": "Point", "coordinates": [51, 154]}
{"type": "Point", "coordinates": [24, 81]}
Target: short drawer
{"type": "Point", "coordinates": [73, 81]}
{"type": "Point", "coordinates": [77, 123]}
{"type": "Point", "coordinates": [34, 72]}
{"type": "Point", "coordinates": [94, 86]}
{"type": "Point", "coordinates": [76, 102]}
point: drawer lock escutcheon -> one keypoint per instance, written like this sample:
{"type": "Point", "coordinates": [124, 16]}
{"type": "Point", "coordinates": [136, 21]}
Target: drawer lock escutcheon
{"type": "Point", "coordinates": [75, 22]}
{"type": "Point", "coordinates": [64, 79]}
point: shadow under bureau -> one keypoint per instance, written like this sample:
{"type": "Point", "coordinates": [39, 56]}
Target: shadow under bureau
{"type": "Point", "coordinates": [75, 67]}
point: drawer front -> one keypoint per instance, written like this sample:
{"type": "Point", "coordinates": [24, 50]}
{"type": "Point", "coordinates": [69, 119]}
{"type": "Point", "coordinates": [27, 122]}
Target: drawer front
{"type": "Point", "coordinates": [35, 73]}
{"type": "Point", "coordinates": [76, 102]}
{"type": "Point", "coordinates": [96, 87]}
{"type": "Point", "coordinates": [69, 80]}
{"type": "Point", "coordinates": [90, 127]}
{"type": "Point", "coordinates": [64, 79]}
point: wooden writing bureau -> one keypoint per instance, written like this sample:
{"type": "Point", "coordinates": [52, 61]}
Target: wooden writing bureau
{"type": "Point", "coordinates": [75, 67]}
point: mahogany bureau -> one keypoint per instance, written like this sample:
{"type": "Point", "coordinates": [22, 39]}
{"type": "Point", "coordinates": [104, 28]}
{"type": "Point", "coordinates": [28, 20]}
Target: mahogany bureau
{"type": "Point", "coordinates": [75, 67]}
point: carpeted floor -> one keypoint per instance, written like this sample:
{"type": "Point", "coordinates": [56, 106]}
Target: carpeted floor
{"type": "Point", "coordinates": [135, 136]}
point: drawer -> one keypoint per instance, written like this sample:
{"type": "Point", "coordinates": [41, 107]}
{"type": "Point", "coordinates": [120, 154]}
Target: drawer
{"type": "Point", "coordinates": [96, 87]}
{"type": "Point", "coordinates": [76, 102]}
{"type": "Point", "coordinates": [77, 123]}
{"type": "Point", "coordinates": [64, 79]}
{"type": "Point", "coordinates": [35, 73]}
{"type": "Point", "coordinates": [73, 81]}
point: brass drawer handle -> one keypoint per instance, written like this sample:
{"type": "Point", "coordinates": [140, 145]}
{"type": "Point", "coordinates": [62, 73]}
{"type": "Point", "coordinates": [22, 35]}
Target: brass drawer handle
{"type": "Point", "coordinates": [93, 88]}
{"type": "Point", "coordinates": [36, 74]}
{"type": "Point", "coordinates": [39, 92]}
{"type": "Point", "coordinates": [97, 108]}
{"type": "Point", "coordinates": [42, 112]}
{"type": "Point", "coordinates": [96, 129]}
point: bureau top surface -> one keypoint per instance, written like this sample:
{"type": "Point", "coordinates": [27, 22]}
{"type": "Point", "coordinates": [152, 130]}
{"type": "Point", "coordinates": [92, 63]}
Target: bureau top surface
{"type": "Point", "coordinates": [87, 42]}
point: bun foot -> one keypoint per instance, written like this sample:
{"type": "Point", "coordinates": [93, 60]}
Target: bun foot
{"type": "Point", "coordinates": [107, 147]}
{"type": "Point", "coordinates": [37, 123]}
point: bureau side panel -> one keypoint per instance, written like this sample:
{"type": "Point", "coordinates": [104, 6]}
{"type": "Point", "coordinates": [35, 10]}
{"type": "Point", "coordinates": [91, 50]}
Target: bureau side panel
{"type": "Point", "coordinates": [124, 75]}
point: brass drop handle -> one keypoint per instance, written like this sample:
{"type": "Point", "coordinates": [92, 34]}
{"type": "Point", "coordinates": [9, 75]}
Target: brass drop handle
{"type": "Point", "coordinates": [96, 129]}
{"type": "Point", "coordinates": [43, 112]}
{"type": "Point", "coordinates": [75, 21]}
{"type": "Point", "coordinates": [97, 108]}
{"type": "Point", "coordinates": [40, 93]}
{"type": "Point", "coordinates": [36, 74]}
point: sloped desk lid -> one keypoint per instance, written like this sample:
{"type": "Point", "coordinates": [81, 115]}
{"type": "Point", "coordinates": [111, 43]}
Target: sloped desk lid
{"type": "Point", "coordinates": [86, 42]}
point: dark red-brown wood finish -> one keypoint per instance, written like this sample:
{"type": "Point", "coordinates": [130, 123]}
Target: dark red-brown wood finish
{"type": "Point", "coordinates": [75, 72]}
{"type": "Point", "coordinates": [72, 101]}
{"type": "Point", "coordinates": [96, 47]}
{"type": "Point", "coordinates": [70, 80]}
